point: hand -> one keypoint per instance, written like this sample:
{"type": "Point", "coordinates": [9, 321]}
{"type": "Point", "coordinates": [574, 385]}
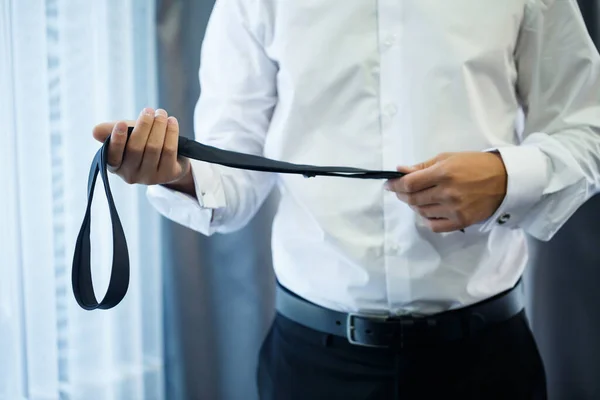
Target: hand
{"type": "Point", "coordinates": [150, 155]}
{"type": "Point", "coordinates": [453, 190]}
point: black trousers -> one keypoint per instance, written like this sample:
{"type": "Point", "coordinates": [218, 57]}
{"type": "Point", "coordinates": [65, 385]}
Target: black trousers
{"type": "Point", "coordinates": [297, 363]}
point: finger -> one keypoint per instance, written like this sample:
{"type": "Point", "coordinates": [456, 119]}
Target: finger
{"type": "Point", "coordinates": [432, 211]}
{"type": "Point", "coordinates": [136, 144]}
{"type": "Point", "coordinates": [103, 130]}
{"type": "Point", "coordinates": [425, 197]}
{"type": "Point", "coordinates": [392, 183]}
{"type": "Point", "coordinates": [116, 147]}
{"type": "Point", "coordinates": [443, 225]}
{"type": "Point", "coordinates": [169, 152]}
{"type": "Point", "coordinates": [418, 180]}
{"type": "Point", "coordinates": [154, 144]}
{"type": "Point", "coordinates": [433, 161]}
{"type": "Point", "coordinates": [425, 164]}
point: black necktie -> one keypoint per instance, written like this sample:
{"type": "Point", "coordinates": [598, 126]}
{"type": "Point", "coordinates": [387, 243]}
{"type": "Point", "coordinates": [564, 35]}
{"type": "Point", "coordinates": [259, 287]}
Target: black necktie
{"type": "Point", "coordinates": [83, 288]}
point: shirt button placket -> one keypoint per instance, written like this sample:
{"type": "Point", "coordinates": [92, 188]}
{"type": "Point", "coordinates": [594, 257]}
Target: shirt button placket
{"type": "Point", "coordinates": [390, 17]}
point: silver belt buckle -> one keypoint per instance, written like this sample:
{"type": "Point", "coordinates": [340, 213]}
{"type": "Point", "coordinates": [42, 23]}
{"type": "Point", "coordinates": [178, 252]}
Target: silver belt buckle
{"type": "Point", "coordinates": [350, 329]}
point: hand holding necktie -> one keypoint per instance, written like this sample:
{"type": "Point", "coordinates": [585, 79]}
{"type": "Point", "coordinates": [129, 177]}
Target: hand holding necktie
{"type": "Point", "coordinates": [151, 148]}
{"type": "Point", "coordinates": [454, 190]}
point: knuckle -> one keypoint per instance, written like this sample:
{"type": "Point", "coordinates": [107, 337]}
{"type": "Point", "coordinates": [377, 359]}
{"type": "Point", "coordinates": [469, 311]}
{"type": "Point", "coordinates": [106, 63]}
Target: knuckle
{"type": "Point", "coordinates": [117, 144]}
{"type": "Point", "coordinates": [445, 171]}
{"type": "Point", "coordinates": [445, 155]}
{"type": "Point", "coordinates": [145, 123]}
{"type": "Point", "coordinates": [134, 150]}
{"type": "Point", "coordinates": [152, 149]}
{"type": "Point", "coordinates": [114, 157]}
{"type": "Point", "coordinates": [161, 119]}
{"type": "Point", "coordinates": [411, 200]}
{"type": "Point", "coordinates": [113, 163]}
{"type": "Point", "coordinates": [451, 195]}
{"type": "Point", "coordinates": [409, 185]}
{"type": "Point", "coordinates": [169, 151]}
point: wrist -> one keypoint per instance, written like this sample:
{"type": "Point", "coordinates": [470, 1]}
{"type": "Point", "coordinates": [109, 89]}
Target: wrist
{"type": "Point", "coordinates": [184, 183]}
{"type": "Point", "coordinates": [498, 163]}
{"type": "Point", "coordinates": [502, 172]}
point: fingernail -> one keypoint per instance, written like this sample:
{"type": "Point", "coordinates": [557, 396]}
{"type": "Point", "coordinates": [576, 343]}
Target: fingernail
{"type": "Point", "coordinates": [171, 121]}
{"type": "Point", "coordinates": [148, 111]}
{"type": "Point", "coordinates": [160, 112]}
{"type": "Point", "coordinates": [388, 186]}
{"type": "Point", "coordinates": [120, 128]}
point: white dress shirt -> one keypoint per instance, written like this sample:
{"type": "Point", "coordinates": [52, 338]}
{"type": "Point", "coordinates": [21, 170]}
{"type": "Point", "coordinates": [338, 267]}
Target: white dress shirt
{"type": "Point", "coordinates": [377, 84]}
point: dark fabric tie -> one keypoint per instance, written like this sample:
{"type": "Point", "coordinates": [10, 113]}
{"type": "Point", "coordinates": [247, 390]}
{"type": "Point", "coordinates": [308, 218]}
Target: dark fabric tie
{"type": "Point", "coordinates": [81, 277]}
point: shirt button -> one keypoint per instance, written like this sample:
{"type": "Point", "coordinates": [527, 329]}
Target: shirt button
{"type": "Point", "coordinates": [503, 219]}
{"type": "Point", "coordinates": [394, 248]}
{"type": "Point", "coordinates": [389, 42]}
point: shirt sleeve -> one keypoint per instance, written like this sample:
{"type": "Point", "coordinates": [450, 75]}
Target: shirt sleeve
{"type": "Point", "coordinates": [556, 167]}
{"type": "Point", "coordinates": [238, 84]}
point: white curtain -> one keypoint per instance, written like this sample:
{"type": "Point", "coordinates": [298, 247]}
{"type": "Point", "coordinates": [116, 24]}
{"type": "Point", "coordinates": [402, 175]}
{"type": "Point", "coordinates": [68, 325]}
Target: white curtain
{"type": "Point", "coordinates": [66, 65]}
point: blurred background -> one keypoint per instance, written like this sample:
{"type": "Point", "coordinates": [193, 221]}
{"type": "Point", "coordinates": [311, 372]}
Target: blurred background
{"type": "Point", "coordinates": [197, 308]}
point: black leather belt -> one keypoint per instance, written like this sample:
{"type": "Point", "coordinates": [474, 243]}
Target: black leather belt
{"type": "Point", "coordinates": [402, 332]}
{"type": "Point", "coordinates": [81, 276]}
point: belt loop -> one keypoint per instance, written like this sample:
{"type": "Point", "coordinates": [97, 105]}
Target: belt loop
{"type": "Point", "coordinates": [327, 340]}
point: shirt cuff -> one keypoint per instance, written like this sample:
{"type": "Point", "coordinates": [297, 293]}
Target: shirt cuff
{"type": "Point", "coordinates": [202, 213]}
{"type": "Point", "coordinates": [527, 176]}
{"type": "Point", "coordinates": [209, 186]}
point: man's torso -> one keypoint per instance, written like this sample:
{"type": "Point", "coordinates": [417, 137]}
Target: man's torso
{"type": "Point", "coordinates": [377, 84]}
